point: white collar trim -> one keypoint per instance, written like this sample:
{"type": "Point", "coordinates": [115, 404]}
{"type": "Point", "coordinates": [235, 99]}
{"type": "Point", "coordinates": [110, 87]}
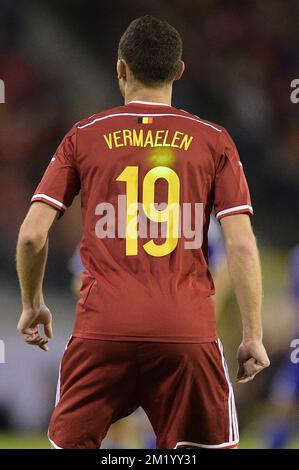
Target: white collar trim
{"type": "Point", "coordinates": [148, 102]}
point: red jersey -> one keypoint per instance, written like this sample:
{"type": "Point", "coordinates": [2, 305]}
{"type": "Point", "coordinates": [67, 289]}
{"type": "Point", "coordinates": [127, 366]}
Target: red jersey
{"type": "Point", "coordinates": [149, 176]}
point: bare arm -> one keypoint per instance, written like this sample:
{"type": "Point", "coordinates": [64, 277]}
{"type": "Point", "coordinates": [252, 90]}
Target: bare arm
{"type": "Point", "coordinates": [245, 272]}
{"type": "Point", "coordinates": [32, 250]}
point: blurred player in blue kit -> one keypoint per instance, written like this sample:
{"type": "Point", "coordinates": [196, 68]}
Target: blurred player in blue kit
{"type": "Point", "coordinates": [284, 394]}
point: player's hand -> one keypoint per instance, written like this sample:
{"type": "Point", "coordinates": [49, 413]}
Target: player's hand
{"type": "Point", "coordinates": [252, 359]}
{"type": "Point", "coordinates": [28, 326]}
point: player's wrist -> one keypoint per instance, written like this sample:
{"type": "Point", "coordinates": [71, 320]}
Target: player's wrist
{"type": "Point", "coordinates": [255, 335]}
{"type": "Point", "coordinates": [34, 303]}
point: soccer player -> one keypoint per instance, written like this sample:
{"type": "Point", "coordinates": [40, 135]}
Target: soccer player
{"type": "Point", "coordinates": [145, 332]}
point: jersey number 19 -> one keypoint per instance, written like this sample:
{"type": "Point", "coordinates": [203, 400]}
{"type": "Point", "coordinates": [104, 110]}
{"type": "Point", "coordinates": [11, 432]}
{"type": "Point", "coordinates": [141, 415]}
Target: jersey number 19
{"type": "Point", "coordinates": [170, 215]}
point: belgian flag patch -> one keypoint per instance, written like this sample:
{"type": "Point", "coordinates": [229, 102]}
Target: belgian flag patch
{"type": "Point", "coordinates": [145, 120]}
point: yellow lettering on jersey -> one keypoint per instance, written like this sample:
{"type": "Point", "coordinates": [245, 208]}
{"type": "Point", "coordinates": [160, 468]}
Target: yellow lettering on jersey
{"type": "Point", "coordinates": [149, 140]}
{"type": "Point", "coordinates": [116, 137]}
{"type": "Point", "coordinates": [176, 137]}
{"type": "Point", "coordinates": [108, 140]}
{"type": "Point", "coordinates": [127, 135]}
{"type": "Point", "coordinates": [137, 138]}
{"type": "Point", "coordinates": [159, 138]}
{"type": "Point", "coordinates": [165, 144]}
{"type": "Point", "coordinates": [171, 214]}
{"type": "Point", "coordinates": [186, 141]}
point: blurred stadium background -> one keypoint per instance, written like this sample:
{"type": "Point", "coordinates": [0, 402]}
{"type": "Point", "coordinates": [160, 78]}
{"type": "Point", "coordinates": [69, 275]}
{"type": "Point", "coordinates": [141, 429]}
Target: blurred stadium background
{"type": "Point", "coordinates": [57, 59]}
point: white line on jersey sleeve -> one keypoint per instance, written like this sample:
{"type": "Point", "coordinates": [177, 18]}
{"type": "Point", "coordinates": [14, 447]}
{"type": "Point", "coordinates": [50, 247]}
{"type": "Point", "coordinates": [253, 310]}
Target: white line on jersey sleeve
{"type": "Point", "coordinates": [49, 199]}
{"type": "Point", "coordinates": [234, 209]}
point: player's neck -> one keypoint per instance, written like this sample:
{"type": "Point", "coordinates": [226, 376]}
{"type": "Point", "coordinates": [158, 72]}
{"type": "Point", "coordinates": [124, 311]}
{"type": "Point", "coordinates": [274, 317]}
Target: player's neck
{"type": "Point", "coordinates": [152, 95]}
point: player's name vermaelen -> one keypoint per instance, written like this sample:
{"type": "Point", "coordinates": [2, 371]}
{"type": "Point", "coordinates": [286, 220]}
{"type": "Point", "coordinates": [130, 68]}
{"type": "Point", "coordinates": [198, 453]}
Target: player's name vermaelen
{"type": "Point", "coordinates": [147, 138]}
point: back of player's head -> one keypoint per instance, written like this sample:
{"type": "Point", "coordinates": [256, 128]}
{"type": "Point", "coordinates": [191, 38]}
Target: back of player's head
{"type": "Point", "coordinates": [152, 48]}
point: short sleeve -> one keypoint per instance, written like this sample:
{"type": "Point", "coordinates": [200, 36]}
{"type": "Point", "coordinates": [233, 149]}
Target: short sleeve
{"type": "Point", "coordinates": [61, 182]}
{"type": "Point", "coordinates": [231, 189]}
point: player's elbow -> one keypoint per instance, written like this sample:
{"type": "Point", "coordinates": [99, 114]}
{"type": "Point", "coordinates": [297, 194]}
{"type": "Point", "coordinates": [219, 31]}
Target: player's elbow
{"type": "Point", "coordinates": [32, 239]}
{"type": "Point", "coordinates": [242, 245]}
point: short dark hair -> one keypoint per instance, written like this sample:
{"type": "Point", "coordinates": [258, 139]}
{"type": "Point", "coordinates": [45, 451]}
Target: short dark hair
{"type": "Point", "coordinates": [152, 49]}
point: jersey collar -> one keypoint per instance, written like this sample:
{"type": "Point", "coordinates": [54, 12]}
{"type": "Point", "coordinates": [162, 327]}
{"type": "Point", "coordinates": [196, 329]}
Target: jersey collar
{"type": "Point", "coordinates": [150, 103]}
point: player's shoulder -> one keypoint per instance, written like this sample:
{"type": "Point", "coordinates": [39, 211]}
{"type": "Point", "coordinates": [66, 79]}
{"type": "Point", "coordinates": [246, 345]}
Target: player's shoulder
{"type": "Point", "coordinates": [98, 117]}
{"type": "Point", "coordinates": [202, 123]}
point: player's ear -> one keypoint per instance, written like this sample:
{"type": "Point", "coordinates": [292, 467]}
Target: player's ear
{"type": "Point", "coordinates": [121, 69]}
{"type": "Point", "coordinates": [180, 70]}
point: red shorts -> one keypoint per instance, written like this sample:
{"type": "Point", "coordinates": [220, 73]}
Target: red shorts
{"type": "Point", "coordinates": [183, 388]}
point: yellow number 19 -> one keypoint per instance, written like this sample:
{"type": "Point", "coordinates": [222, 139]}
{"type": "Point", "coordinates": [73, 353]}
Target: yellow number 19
{"type": "Point", "coordinates": [170, 214]}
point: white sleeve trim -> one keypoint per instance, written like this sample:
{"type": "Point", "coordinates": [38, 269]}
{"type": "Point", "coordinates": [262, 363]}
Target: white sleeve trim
{"type": "Point", "coordinates": [234, 209]}
{"type": "Point", "coordinates": [50, 199]}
